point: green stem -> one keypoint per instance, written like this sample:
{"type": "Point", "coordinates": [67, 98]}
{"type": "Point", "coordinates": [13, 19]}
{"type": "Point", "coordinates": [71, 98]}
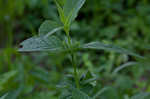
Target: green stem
{"type": "Point", "coordinates": [75, 71]}
{"type": "Point", "coordinates": [73, 58]}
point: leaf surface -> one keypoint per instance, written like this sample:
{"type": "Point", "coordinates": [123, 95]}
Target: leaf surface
{"type": "Point", "coordinates": [71, 9]}
{"type": "Point", "coordinates": [4, 96]}
{"type": "Point", "coordinates": [108, 47]}
{"type": "Point", "coordinates": [49, 27]}
{"type": "Point", "coordinates": [5, 78]}
{"type": "Point", "coordinates": [77, 94]}
{"type": "Point", "coordinates": [141, 96]}
{"type": "Point", "coordinates": [37, 43]}
{"type": "Point", "coordinates": [60, 10]}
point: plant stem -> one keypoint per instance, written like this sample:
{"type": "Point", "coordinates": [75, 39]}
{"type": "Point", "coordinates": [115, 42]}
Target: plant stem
{"type": "Point", "coordinates": [75, 70]}
{"type": "Point", "coordinates": [73, 59]}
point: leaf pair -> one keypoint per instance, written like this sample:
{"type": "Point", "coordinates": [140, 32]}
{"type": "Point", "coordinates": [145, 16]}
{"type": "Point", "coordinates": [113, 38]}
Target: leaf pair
{"type": "Point", "coordinates": [45, 42]}
{"type": "Point", "coordinates": [69, 11]}
{"type": "Point", "coordinates": [53, 44]}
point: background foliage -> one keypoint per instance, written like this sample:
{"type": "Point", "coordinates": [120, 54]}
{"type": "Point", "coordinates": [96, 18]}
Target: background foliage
{"type": "Point", "coordinates": [35, 75]}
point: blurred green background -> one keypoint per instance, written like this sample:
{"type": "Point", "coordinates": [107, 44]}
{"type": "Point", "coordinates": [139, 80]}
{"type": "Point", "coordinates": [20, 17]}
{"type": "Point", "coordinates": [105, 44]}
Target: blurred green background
{"type": "Point", "coordinates": [125, 23]}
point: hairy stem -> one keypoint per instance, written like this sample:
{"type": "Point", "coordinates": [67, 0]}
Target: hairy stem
{"type": "Point", "coordinates": [73, 59]}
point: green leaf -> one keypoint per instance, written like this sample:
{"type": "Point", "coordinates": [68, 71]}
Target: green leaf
{"type": "Point", "coordinates": [66, 94]}
{"type": "Point", "coordinates": [77, 94]}
{"type": "Point", "coordinates": [124, 66]}
{"type": "Point", "coordinates": [88, 78]}
{"type": "Point", "coordinates": [15, 93]}
{"type": "Point", "coordinates": [60, 10]}
{"type": "Point", "coordinates": [108, 47]}
{"type": "Point", "coordinates": [61, 2]}
{"type": "Point", "coordinates": [41, 75]}
{"type": "Point", "coordinates": [4, 96]}
{"type": "Point", "coordinates": [71, 9]}
{"type": "Point", "coordinates": [100, 92]}
{"type": "Point", "coordinates": [49, 27]}
{"type": "Point", "coordinates": [38, 43]}
{"type": "Point", "coordinates": [141, 96]}
{"type": "Point", "coordinates": [5, 78]}
{"type": "Point", "coordinates": [107, 93]}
